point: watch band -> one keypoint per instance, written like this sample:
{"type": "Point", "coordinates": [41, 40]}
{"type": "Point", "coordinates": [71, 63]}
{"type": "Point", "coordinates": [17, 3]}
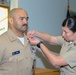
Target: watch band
{"type": "Point", "coordinates": [38, 45]}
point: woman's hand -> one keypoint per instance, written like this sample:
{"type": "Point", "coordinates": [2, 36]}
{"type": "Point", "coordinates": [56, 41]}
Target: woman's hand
{"type": "Point", "coordinates": [34, 41]}
{"type": "Point", "coordinates": [31, 33]}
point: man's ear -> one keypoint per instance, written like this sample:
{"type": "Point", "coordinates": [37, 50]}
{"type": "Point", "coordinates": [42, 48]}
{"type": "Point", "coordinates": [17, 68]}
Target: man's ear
{"type": "Point", "coordinates": [10, 20]}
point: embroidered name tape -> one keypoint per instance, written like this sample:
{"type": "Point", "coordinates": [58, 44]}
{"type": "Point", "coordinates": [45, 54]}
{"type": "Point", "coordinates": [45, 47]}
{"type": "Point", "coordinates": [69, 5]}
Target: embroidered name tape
{"type": "Point", "coordinates": [16, 52]}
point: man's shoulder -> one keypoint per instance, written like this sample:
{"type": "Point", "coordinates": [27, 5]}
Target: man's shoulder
{"type": "Point", "coordinates": [3, 36]}
{"type": "Point", "coordinates": [5, 33]}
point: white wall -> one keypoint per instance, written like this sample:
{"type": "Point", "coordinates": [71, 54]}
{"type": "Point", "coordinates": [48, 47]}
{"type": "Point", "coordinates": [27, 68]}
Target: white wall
{"type": "Point", "coordinates": [45, 16]}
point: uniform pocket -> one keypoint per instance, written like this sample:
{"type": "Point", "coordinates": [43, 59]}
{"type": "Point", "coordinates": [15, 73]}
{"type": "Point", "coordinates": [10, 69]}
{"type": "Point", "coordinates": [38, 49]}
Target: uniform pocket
{"type": "Point", "coordinates": [16, 58]}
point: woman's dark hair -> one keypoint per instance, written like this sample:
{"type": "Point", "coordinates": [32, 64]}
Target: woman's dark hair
{"type": "Point", "coordinates": [70, 22]}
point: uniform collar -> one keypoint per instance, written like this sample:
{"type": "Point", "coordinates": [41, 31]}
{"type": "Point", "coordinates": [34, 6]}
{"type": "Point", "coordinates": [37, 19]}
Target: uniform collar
{"type": "Point", "coordinates": [75, 43]}
{"type": "Point", "coordinates": [12, 36]}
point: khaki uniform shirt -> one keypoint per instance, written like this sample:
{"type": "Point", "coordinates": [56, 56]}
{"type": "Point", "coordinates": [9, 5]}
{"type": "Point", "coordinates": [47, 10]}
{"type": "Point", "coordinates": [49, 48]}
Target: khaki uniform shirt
{"type": "Point", "coordinates": [15, 58]}
{"type": "Point", "coordinates": [68, 52]}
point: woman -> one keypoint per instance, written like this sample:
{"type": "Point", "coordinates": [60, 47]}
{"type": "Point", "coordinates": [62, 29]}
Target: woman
{"type": "Point", "coordinates": [66, 61]}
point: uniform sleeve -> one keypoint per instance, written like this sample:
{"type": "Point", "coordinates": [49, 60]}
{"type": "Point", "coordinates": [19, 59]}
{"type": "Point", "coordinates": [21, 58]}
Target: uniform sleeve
{"type": "Point", "coordinates": [1, 53]}
{"type": "Point", "coordinates": [70, 57]}
{"type": "Point", "coordinates": [60, 40]}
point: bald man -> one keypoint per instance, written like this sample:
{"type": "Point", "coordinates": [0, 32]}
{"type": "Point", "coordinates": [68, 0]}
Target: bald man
{"type": "Point", "coordinates": [15, 54]}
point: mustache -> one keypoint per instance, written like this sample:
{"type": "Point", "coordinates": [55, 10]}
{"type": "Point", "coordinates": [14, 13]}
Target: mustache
{"type": "Point", "coordinates": [25, 24]}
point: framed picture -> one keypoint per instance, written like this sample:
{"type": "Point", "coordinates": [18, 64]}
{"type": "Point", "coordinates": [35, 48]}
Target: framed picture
{"type": "Point", "coordinates": [4, 10]}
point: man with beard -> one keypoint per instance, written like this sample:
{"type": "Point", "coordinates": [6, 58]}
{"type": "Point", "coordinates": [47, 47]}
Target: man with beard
{"type": "Point", "coordinates": [15, 54]}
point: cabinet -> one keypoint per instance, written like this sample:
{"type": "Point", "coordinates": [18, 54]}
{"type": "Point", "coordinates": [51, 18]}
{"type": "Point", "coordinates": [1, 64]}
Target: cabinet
{"type": "Point", "coordinates": [42, 71]}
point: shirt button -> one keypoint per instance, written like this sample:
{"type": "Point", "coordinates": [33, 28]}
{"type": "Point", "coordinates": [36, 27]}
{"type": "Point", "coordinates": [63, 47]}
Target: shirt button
{"type": "Point", "coordinates": [26, 57]}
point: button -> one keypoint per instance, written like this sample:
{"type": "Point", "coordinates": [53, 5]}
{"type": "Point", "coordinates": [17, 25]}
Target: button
{"type": "Point", "coordinates": [26, 57]}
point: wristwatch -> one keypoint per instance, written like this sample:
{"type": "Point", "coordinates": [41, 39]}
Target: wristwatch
{"type": "Point", "coordinates": [38, 45]}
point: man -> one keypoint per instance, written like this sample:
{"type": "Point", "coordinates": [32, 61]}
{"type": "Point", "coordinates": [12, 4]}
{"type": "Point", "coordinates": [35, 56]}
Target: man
{"type": "Point", "coordinates": [15, 55]}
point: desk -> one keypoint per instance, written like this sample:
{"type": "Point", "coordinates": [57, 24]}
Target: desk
{"type": "Point", "coordinates": [42, 71]}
